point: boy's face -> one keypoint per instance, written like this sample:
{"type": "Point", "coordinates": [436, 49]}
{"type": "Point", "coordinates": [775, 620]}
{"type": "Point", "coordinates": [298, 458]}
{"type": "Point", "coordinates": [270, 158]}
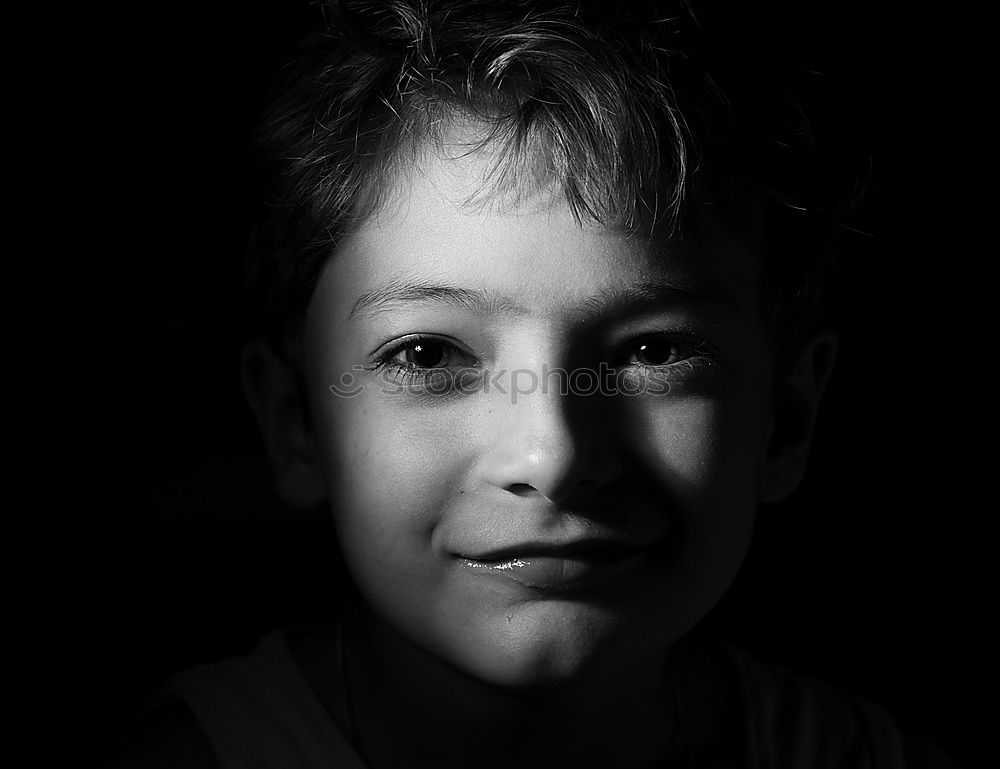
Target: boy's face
{"type": "Point", "coordinates": [523, 534]}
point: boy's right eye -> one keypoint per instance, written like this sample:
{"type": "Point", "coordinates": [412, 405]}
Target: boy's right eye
{"type": "Point", "coordinates": [430, 353]}
{"type": "Point", "coordinates": [426, 352]}
{"type": "Point", "coordinates": [426, 363]}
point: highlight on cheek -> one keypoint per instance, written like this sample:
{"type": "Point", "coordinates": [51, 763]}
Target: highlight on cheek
{"type": "Point", "coordinates": [650, 364]}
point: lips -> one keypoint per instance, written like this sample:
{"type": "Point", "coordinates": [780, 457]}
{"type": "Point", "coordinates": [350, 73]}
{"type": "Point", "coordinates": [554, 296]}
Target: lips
{"type": "Point", "coordinates": [557, 567]}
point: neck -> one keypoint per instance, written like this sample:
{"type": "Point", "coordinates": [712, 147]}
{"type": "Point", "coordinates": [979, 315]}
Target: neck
{"type": "Point", "coordinates": [410, 708]}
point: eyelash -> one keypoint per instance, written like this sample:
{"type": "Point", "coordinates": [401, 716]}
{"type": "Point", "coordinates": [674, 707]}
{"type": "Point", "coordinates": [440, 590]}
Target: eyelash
{"type": "Point", "coordinates": [697, 356]}
{"type": "Point", "coordinates": [695, 349]}
{"type": "Point", "coordinates": [408, 374]}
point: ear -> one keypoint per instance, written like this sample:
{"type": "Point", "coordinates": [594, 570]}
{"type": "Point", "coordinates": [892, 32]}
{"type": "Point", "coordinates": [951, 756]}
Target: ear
{"type": "Point", "coordinates": [278, 402]}
{"type": "Point", "coordinates": [794, 418]}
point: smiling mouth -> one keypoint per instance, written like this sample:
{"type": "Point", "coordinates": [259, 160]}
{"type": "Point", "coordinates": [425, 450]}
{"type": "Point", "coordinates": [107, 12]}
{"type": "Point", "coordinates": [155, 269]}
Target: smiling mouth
{"type": "Point", "coordinates": [555, 569]}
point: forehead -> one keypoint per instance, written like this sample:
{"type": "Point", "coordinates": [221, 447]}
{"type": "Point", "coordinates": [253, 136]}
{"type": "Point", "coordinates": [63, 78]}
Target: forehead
{"type": "Point", "coordinates": [520, 247]}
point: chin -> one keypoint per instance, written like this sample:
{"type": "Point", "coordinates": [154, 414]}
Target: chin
{"type": "Point", "coordinates": [529, 670]}
{"type": "Point", "coordinates": [541, 645]}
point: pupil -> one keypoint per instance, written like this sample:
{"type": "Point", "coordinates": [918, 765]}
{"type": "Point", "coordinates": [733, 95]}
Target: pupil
{"type": "Point", "coordinates": [655, 353]}
{"type": "Point", "coordinates": [426, 355]}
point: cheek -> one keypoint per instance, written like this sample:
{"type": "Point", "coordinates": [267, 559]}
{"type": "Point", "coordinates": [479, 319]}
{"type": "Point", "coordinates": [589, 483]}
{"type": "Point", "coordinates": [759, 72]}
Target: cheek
{"type": "Point", "coordinates": [392, 476]}
{"type": "Point", "coordinates": [700, 446]}
{"type": "Point", "coordinates": [704, 454]}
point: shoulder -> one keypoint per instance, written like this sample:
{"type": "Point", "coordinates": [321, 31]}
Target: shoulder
{"type": "Point", "coordinates": [168, 737]}
{"type": "Point", "coordinates": [921, 753]}
{"type": "Point", "coordinates": [789, 717]}
{"type": "Point", "coordinates": [250, 710]}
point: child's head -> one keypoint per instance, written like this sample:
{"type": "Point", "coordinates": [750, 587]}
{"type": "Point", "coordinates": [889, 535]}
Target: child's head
{"type": "Point", "coordinates": [536, 336]}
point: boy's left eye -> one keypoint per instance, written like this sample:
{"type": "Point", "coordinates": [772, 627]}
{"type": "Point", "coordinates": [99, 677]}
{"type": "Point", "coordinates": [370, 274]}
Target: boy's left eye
{"type": "Point", "coordinates": [662, 350]}
{"type": "Point", "coordinates": [656, 352]}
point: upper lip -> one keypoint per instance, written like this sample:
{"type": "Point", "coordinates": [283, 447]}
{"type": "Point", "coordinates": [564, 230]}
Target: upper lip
{"type": "Point", "coordinates": [567, 549]}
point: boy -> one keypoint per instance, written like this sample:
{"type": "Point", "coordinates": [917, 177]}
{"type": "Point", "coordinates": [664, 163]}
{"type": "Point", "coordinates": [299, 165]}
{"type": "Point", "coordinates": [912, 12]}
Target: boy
{"type": "Point", "coordinates": [540, 326]}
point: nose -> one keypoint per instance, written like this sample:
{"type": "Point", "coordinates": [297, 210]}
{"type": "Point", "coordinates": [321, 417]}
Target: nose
{"type": "Point", "coordinates": [551, 444]}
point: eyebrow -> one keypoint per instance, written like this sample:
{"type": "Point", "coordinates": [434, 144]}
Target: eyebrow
{"type": "Point", "coordinates": [622, 299]}
{"type": "Point", "coordinates": [608, 301]}
{"type": "Point", "coordinates": [389, 297]}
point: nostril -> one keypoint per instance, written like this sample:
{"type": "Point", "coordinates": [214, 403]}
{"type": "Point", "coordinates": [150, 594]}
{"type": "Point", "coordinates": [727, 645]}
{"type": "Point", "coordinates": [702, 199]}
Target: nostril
{"type": "Point", "coordinates": [523, 490]}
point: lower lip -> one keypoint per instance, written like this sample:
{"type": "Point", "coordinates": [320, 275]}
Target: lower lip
{"type": "Point", "coordinates": [558, 572]}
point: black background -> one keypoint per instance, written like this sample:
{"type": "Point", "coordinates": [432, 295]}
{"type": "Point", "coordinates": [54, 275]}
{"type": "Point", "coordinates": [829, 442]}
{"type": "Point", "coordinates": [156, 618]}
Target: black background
{"type": "Point", "coordinates": [157, 541]}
